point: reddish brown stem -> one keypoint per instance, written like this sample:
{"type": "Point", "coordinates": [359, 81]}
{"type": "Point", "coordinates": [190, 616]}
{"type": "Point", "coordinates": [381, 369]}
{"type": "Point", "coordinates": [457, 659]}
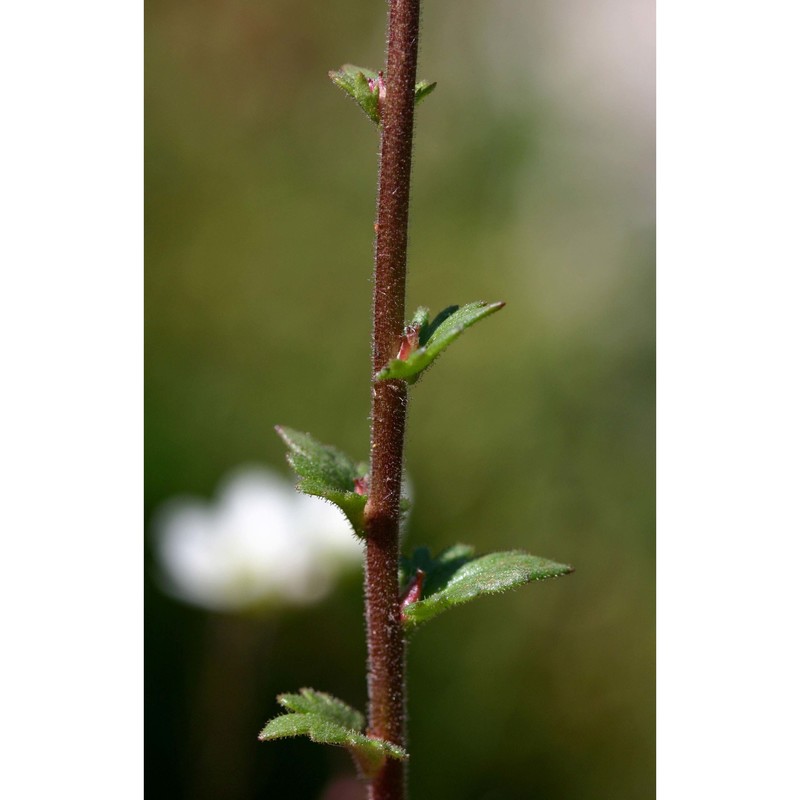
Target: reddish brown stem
{"type": "Point", "coordinates": [385, 638]}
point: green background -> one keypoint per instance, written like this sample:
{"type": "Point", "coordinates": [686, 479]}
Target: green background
{"type": "Point", "coordinates": [534, 184]}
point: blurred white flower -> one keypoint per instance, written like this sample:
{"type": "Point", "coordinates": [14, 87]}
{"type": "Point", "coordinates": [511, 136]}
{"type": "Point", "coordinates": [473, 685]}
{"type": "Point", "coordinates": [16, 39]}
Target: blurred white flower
{"type": "Point", "coordinates": [259, 543]}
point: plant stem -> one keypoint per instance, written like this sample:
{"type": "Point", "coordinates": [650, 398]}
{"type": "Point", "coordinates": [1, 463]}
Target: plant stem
{"type": "Point", "coordinates": [385, 637]}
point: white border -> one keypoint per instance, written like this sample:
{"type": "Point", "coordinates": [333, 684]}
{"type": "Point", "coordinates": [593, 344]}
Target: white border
{"type": "Point", "coordinates": [71, 428]}
{"type": "Point", "coordinates": [728, 399]}
{"type": "Point", "coordinates": [71, 322]}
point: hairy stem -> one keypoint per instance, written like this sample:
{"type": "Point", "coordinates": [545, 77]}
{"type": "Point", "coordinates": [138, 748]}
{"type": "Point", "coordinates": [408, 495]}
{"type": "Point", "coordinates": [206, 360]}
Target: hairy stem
{"type": "Point", "coordinates": [385, 638]}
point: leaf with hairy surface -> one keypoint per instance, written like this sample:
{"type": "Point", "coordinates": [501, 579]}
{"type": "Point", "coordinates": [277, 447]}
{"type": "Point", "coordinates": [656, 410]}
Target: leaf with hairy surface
{"type": "Point", "coordinates": [367, 88]}
{"type": "Point", "coordinates": [423, 341]}
{"type": "Point", "coordinates": [326, 720]}
{"type": "Point", "coordinates": [327, 472]}
{"type": "Point", "coordinates": [457, 576]}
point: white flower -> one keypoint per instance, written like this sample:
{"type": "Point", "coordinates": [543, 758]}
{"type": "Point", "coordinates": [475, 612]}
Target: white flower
{"type": "Point", "coordinates": [259, 543]}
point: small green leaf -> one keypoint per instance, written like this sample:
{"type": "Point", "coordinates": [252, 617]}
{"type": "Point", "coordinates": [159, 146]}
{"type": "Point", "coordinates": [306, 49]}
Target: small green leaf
{"type": "Point", "coordinates": [422, 90]}
{"type": "Point", "coordinates": [326, 720]}
{"type": "Point", "coordinates": [326, 472]}
{"type": "Point", "coordinates": [366, 87]}
{"type": "Point", "coordinates": [420, 318]}
{"type": "Point", "coordinates": [310, 701]}
{"type": "Point", "coordinates": [447, 326]}
{"type": "Point", "coordinates": [457, 575]}
{"type": "Point", "coordinates": [362, 85]}
{"type": "Point", "coordinates": [351, 72]}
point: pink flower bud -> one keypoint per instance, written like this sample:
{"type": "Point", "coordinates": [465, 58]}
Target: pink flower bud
{"type": "Point", "coordinates": [378, 85]}
{"type": "Point", "coordinates": [414, 591]}
{"type": "Point", "coordinates": [409, 342]}
{"type": "Point", "coordinates": [361, 485]}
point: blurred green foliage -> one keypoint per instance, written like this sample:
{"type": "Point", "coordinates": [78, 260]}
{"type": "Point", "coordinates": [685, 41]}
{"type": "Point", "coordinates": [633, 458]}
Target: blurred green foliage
{"type": "Point", "coordinates": [260, 195]}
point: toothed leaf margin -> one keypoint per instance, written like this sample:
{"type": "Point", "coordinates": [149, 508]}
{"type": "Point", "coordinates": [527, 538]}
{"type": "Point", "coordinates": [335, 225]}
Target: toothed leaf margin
{"type": "Point", "coordinates": [326, 720]}
{"type": "Point", "coordinates": [326, 472]}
